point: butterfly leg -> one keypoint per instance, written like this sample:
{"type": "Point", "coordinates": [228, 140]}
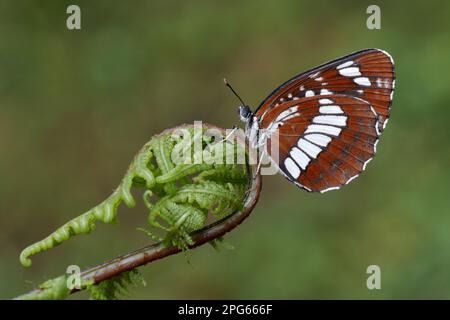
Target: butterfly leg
{"type": "Point", "coordinates": [263, 153]}
{"type": "Point", "coordinates": [230, 134]}
{"type": "Point", "coordinates": [225, 139]}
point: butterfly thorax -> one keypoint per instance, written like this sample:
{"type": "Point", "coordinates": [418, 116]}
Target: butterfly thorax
{"type": "Point", "coordinates": [251, 126]}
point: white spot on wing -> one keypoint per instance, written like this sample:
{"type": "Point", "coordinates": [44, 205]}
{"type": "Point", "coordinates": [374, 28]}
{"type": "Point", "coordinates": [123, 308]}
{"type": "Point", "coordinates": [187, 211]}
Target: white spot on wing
{"type": "Point", "coordinates": [330, 109]}
{"type": "Point", "coordinates": [331, 120]}
{"type": "Point", "coordinates": [300, 157]}
{"type": "Point", "coordinates": [329, 189]}
{"type": "Point", "coordinates": [319, 139]}
{"type": "Point", "coordinates": [318, 79]}
{"type": "Point", "coordinates": [325, 91]}
{"type": "Point", "coordinates": [345, 64]}
{"type": "Point", "coordinates": [350, 72]}
{"type": "Point", "coordinates": [392, 92]}
{"type": "Point", "coordinates": [351, 179]}
{"type": "Point", "coordinates": [379, 83]}
{"type": "Point", "coordinates": [323, 129]}
{"type": "Point", "coordinates": [366, 163]}
{"type": "Point", "coordinates": [287, 114]}
{"type": "Point", "coordinates": [325, 101]}
{"type": "Point", "coordinates": [302, 186]}
{"type": "Point", "coordinates": [292, 168]}
{"type": "Point", "coordinates": [309, 148]}
{"type": "Point", "coordinates": [309, 93]}
{"type": "Point", "coordinates": [363, 81]}
{"type": "Point", "coordinates": [291, 116]}
{"type": "Point", "coordinates": [377, 124]}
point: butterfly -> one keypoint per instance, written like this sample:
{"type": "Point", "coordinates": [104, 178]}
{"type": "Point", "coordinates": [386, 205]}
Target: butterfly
{"type": "Point", "coordinates": [325, 122]}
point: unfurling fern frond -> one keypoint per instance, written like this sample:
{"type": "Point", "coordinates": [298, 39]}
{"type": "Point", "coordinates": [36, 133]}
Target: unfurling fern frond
{"type": "Point", "coordinates": [178, 193]}
{"type": "Point", "coordinates": [224, 173]}
{"type": "Point", "coordinates": [218, 198]}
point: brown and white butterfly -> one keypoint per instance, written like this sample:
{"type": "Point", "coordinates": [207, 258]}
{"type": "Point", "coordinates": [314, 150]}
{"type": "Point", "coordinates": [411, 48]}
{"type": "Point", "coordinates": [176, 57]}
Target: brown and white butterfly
{"type": "Point", "coordinates": [326, 121]}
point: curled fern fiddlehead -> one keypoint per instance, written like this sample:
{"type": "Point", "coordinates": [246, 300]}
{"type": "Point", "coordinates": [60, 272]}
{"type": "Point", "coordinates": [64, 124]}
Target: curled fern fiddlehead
{"type": "Point", "coordinates": [178, 194]}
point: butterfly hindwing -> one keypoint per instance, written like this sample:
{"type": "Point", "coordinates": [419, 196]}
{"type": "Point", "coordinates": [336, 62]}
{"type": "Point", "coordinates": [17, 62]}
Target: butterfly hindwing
{"type": "Point", "coordinates": [323, 142]}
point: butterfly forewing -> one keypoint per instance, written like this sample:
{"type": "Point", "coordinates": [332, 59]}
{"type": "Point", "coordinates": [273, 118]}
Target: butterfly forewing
{"type": "Point", "coordinates": [367, 74]}
{"type": "Point", "coordinates": [324, 142]}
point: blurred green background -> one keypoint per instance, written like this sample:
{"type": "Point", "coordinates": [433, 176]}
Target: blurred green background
{"type": "Point", "coordinates": [75, 106]}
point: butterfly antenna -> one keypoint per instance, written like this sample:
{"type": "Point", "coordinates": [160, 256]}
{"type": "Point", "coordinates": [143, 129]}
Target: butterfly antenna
{"type": "Point", "coordinates": [234, 92]}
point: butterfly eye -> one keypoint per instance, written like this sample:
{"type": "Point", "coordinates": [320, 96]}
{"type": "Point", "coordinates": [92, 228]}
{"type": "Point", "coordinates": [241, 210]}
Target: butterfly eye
{"type": "Point", "coordinates": [244, 112]}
